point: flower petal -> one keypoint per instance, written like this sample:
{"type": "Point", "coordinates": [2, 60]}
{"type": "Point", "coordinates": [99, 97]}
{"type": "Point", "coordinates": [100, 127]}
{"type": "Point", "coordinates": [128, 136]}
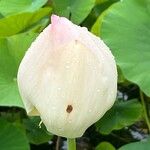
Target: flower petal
{"type": "Point", "coordinates": [70, 78]}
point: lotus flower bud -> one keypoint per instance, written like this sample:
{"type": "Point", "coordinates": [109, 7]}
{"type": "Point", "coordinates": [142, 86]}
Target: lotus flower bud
{"type": "Point", "coordinates": [67, 77]}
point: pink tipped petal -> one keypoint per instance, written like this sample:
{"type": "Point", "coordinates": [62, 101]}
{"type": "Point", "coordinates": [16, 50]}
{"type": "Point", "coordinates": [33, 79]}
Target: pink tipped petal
{"type": "Point", "coordinates": [54, 19]}
{"type": "Point", "coordinates": [62, 30]}
{"type": "Point", "coordinates": [68, 76]}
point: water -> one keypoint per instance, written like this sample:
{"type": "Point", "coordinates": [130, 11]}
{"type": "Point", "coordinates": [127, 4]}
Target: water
{"type": "Point", "coordinates": [67, 67]}
{"type": "Point", "coordinates": [53, 108]}
{"type": "Point", "coordinates": [59, 88]}
{"type": "Point", "coordinates": [70, 121]}
{"type": "Point", "coordinates": [90, 110]}
{"type": "Point", "coordinates": [98, 90]}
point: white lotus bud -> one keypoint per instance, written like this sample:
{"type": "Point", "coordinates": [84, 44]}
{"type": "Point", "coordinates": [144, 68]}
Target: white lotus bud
{"type": "Point", "coordinates": [67, 77]}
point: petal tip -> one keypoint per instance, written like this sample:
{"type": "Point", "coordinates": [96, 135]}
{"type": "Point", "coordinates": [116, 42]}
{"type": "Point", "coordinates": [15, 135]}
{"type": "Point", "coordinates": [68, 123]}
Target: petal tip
{"type": "Point", "coordinates": [54, 19]}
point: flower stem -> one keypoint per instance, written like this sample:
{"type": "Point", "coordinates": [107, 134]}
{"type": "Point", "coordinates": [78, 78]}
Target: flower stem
{"type": "Point", "coordinates": [71, 144]}
{"type": "Point", "coordinates": [58, 142]}
{"type": "Point", "coordinates": [145, 110]}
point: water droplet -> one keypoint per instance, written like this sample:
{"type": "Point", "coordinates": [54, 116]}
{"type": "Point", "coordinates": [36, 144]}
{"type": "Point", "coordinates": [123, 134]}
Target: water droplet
{"type": "Point", "coordinates": [53, 108]}
{"type": "Point", "coordinates": [84, 28]}
{"type": "Point", "coordinates": [67, 67]}
{"type": "Point", "coordinates": [59, 88]}
{"type": "Point", "coordinates": [105, 79]}
{"type": "Point", "coordinates": [68, 7]}
{"type": "Point", "coordinates": [90, 110]}
{"type": "Point", "coordinates": [15, 79]}
{"type": "Point", "coordinates": [98, 90]}
{"type": "Point", "coordinates": [69, 121]}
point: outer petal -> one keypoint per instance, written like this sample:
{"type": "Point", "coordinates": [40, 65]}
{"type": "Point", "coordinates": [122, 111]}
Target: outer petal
{"type": "Point", "coordinates": [68, 77]}
{"type": "Point", "coordinates": [62, 31]}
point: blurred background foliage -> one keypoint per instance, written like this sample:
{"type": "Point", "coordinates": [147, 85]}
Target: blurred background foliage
{"type": "Point", "coordinates": [124, 25]}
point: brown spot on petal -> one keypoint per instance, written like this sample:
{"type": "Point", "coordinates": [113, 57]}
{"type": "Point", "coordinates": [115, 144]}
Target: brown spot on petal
{"type": "Point", "coordinates": [76, 41]}
{"type": "Point", "coordinates": [69, 109]}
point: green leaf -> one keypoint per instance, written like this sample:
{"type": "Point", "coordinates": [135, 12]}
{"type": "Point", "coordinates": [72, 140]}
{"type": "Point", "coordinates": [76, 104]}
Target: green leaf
{"type": "Point", "coordinates": [76, 10]}
{"type": "Point", "coordinates": [35, 134]}
{"type": "Point", "coordinates": [100, 6]}
{"type": "Point", "coordinates": [122, 114]}
{"type": "Point", "coordinates": [121, 78]}
{"type": "Point", "coordinates": [12, 50]}
{"type": "Point", "coordinates": [144, 145]}
{"type": "Point", "coordinates": [105, 146]}
{"type": "Point", "coordinates": [9, 7]}
{"type": "Point", "coordinates": [124, 27]}
{"type": "Point", "coordinates": [11, 138]}
{"type": "Point", "coordinates": [18, 23]}
{"type": "Point", "coordinates": [103, 5]}
{"type": "Point", "coordinates": [39, 26]}
{"type": "Point", "coordinates": [97, 25]}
